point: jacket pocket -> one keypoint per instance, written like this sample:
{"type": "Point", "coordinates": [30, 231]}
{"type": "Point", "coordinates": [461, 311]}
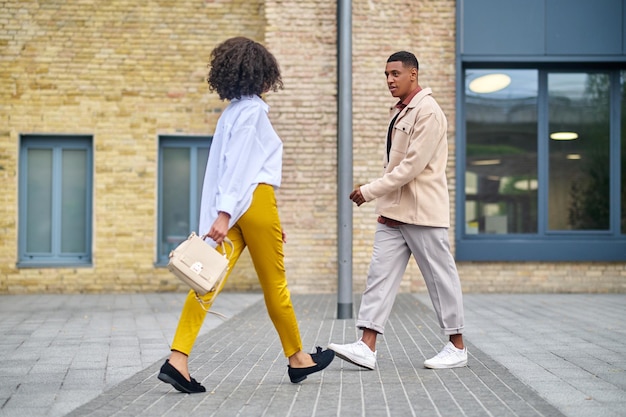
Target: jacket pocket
{"type": "Point", "coordinates": [399, 143]}
{"type": "Point", "coordinates": [391, 199]}
{"type": "Point", "coordinates": [400, 138]}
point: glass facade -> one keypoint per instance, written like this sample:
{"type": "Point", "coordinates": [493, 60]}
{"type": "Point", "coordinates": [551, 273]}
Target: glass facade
{"type": "Point", "coordinates": [542, 159]}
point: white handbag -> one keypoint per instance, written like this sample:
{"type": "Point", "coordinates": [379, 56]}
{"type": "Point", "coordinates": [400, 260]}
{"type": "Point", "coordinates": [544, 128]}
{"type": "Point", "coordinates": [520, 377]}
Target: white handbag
{"type": "Point", "coordinates": [200, 266]}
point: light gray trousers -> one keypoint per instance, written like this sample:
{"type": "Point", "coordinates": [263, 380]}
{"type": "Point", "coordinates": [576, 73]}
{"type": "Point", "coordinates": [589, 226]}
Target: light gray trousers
{"type": "Point", "coordinates": [393, 247]}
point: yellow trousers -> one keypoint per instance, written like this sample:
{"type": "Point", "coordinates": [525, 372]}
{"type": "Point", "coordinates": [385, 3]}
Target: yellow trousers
{"type": "Point", "coordinates": [259, 229]}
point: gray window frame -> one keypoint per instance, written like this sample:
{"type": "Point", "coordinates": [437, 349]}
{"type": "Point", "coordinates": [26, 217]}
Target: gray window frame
{"type": "Point", "coordinates": [545, 245]}
{"type": "Point", "coordinates": [193, 143]}
{"type": "Point", "coordinates": [57, 143]}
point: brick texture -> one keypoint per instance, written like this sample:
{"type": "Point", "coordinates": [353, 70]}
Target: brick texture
{"type": "Point", "coordinates": [127, 72]}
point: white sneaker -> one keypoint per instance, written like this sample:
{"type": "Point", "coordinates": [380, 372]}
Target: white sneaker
{"type": "Point", "coordinates": [449, 357]}
{"type": "Point", "coordinates": [357, 353]}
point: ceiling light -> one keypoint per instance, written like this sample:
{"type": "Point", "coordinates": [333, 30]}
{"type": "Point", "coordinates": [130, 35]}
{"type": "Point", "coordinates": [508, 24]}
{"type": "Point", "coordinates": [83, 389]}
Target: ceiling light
{"type": "Point", "coordinates": [573, 156]}
{"type": "Point", "coordinates": [564, 135]}
{"type": "Point", "coordinates": [486, 162]}
{"type": "Point", "coordinates": [490, 83]}
{"type": "Point", "coordinates": [526, 185]}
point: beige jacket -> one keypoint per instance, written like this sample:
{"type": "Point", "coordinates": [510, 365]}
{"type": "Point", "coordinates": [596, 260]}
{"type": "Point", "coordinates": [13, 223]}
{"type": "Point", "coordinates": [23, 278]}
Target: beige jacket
{"type": "Point", "coordinates": [413, 188]}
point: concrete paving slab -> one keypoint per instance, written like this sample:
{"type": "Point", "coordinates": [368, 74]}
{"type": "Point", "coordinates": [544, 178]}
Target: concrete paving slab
{"type": "Point", "coordinates": [530, 355]}
{"type": "Point", "coordinates": [567, 347]}
{"type": "Point", "coordinates": [58, 352]}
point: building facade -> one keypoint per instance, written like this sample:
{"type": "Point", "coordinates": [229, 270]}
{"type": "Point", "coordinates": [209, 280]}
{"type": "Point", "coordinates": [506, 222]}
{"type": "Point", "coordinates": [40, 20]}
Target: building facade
{"type": "Point", "coordinates": [108, 121]}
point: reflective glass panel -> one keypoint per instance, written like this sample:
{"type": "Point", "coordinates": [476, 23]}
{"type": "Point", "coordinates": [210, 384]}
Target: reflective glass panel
{"type": "Point", "coordinates": [501, 158]}
{"type": "Point", "coordinates": [203, 156]}
{"type": "Point", "coordinates": [175, 222]}
{"type": "Point", "coordinates": [39, 201]}
{"type": "Point", "coordinates": [623, 152]}
{"type": "Point", "coordinates": [74, 201]}
{"type": "Point", "coordinates": [579, 175]}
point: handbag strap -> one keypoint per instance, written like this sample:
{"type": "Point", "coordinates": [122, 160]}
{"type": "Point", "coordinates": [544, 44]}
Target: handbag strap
{"type": "Point", "coordinates": [232, 247]}
{"type": "Point", "coordinates": [227, 241]}
{"type": "Point", "coordinates": [204, 303]}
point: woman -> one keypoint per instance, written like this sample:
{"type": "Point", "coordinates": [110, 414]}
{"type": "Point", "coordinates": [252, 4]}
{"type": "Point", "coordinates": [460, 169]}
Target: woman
{"type": "Point", "coordinates": [238, 202]}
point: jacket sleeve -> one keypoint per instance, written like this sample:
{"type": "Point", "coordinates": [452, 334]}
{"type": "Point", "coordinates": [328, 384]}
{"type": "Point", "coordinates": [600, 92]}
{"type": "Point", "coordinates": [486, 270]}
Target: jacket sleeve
{"type": "Point", "coordinates": [423, 142]}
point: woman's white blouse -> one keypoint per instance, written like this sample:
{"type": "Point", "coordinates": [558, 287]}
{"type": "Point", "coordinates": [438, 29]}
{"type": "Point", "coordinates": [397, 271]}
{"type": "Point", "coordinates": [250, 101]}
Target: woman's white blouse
{"type": "Point", "coordinates": [245, 152]}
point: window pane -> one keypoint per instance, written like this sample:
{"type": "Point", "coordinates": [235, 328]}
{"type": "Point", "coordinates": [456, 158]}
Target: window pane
{"type": "Point", "coordinates": [175, 198]}
{"type": "Point", "coordinates": [501, 159]}
{"type": "Point", "coordinates": [623, 150]}
{"type": "Point", "coordinates": [203, 156]}
{"type": "Point", "coordinates": [39, 201]}
{"type": "Point", "coordinates": [74, 201]}
{"type": "Point", "coordinates": [579, 176]}
{"type": "Point", "coordinates": [623, 153]}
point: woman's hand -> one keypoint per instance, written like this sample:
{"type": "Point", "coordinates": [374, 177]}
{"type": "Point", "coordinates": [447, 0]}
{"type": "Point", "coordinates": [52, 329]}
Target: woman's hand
{"type": "Point", "coordinates": [219, 229]}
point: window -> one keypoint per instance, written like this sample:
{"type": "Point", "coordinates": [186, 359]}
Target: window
{"type": "Point", "coordinates": [182, 162]}
{"type": "Point", "coordinates": [501, 158]}
{"type": "Point", "coordinates": [578, 149]}
{"type": "Point", "coordinates": [542, 165]}
{"type": "Point", "coordinates": [55, 194]}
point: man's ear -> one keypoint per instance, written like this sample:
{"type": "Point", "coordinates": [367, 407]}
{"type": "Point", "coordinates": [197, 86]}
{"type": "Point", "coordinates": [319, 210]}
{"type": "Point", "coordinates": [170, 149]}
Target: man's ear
{"type": "Point", "coordinates": [413, 73]}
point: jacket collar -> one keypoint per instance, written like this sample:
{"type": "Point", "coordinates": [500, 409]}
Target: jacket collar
{"type": "Point", "coordinates": [420, 96]}
{"type": "Point", "coordinates": [414, 102]}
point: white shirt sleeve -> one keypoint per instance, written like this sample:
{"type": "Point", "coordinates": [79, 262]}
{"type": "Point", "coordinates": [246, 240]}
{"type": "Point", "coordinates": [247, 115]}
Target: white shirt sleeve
{"type": "Point", "coordinates": [239, 165]}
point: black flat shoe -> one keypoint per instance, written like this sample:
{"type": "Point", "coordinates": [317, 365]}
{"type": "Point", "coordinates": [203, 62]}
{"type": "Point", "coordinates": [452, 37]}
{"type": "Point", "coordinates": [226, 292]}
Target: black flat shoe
{"type": "Point", "coordinates": [321, 358]}
{"type": "Point", "coordinates": [170, 375]}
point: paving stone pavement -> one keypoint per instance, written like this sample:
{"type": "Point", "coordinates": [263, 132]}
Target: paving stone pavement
{"type": "Point", "coordinates": [98, 355]}
{"type": "Point", "coordinates": [57, 352]}
{"type": "Point", "coordinates": [568, 347]}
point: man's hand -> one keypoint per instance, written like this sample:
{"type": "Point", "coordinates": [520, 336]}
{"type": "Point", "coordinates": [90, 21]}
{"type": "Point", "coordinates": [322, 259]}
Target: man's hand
{"type": "Point", "coordinates": [357, 197]}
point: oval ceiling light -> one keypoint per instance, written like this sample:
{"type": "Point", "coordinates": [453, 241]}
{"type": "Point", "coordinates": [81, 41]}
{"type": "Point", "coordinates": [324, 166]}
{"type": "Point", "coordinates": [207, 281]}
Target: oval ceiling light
{"type": "Point", "coordinates": [526, 185]}
{"type": "Point", "coordinates": [564, 136]}
{"type": "Point", "coordinates": [490, 83]}
{"type": "Point", "coordinates": [483, 162]}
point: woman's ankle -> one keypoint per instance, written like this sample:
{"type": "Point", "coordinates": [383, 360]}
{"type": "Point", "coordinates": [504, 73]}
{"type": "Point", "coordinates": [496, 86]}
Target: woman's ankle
{"type": "Point", "coordinates": [180, 361]}
{"type": "Point", "coordinates": [301, 360]}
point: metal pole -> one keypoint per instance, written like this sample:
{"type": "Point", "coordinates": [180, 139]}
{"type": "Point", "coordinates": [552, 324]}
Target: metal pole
{"type": "Point", "coordinates": [344, 159]}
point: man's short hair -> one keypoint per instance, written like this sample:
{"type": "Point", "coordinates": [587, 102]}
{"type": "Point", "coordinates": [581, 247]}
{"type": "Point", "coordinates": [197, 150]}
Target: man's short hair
{"type": "Point", "coordinates": [407, 59]}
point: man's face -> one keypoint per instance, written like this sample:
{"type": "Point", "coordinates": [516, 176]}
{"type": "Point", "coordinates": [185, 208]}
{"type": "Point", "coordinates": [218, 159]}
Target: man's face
{"type": "Point", "coordinates": [400, 79]}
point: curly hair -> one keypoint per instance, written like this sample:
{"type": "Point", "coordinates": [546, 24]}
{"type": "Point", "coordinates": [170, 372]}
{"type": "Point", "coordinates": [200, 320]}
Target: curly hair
{"type": "Point", "coordinates": [241, 67]}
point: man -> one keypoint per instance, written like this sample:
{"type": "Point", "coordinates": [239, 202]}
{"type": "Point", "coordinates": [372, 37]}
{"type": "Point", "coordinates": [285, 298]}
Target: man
{"type": "Point", "coordinates": [413, 207]}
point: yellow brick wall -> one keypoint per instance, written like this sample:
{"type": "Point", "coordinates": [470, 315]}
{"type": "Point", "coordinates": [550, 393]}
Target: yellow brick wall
{"type": "Point", "coordinates": [303, 36]}
{"type": "Point", "coordinates": [426, 28]}
{"type": "Point", "coordinates": [127, 72]}
{"type": "Point", "coordinates": [124, 72]}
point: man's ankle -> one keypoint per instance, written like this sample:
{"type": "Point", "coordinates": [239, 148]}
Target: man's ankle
{"type": "Point", "coordinates": [369, 338]}
{"type": "Point", "coordinates": [457, 341]}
